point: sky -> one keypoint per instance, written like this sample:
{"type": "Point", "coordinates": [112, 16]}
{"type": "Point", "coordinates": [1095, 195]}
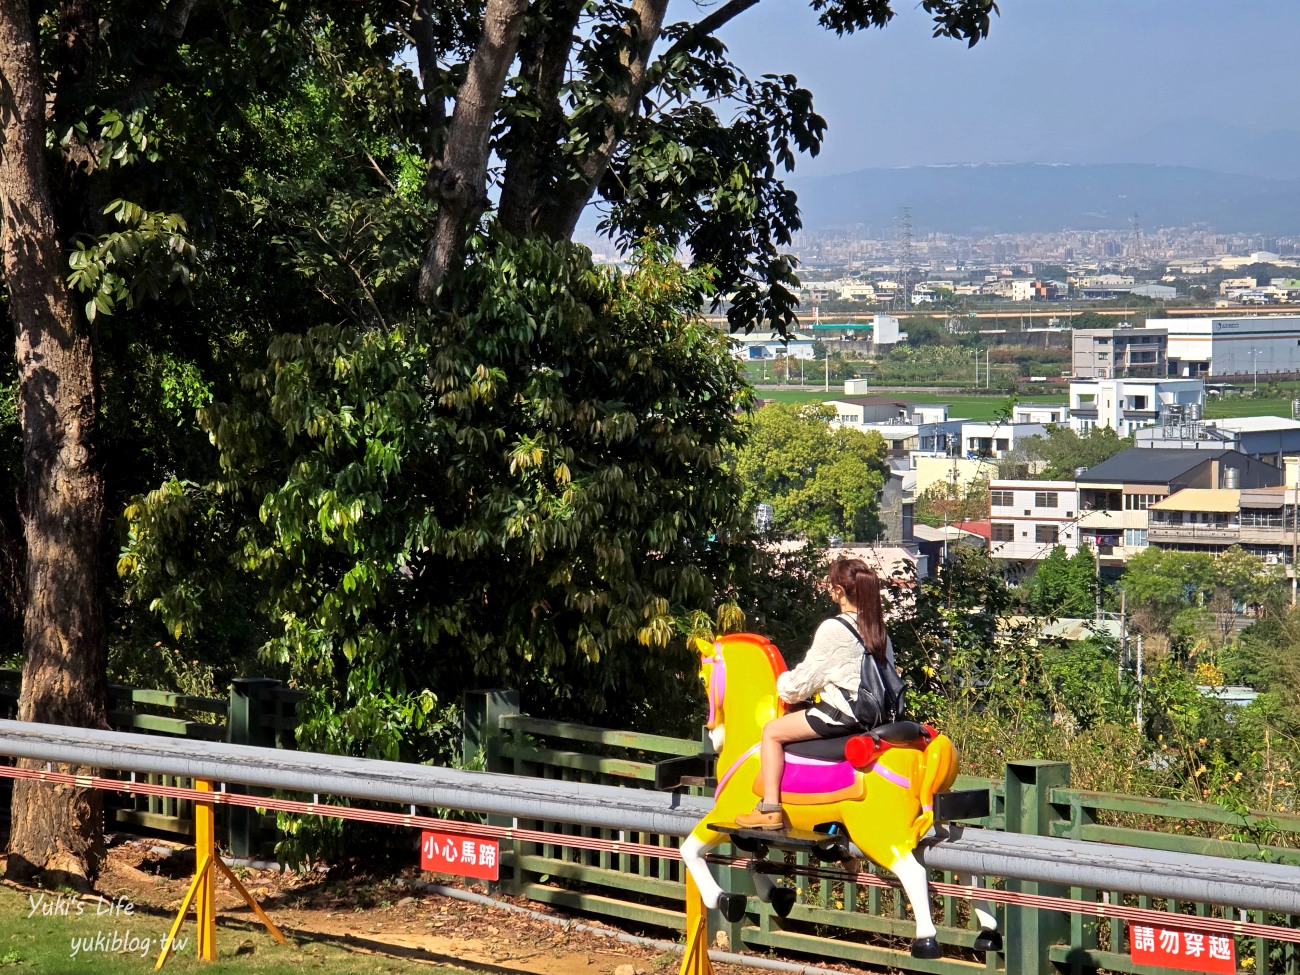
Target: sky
{"type": "Point", "coordinates": [1206, 83]}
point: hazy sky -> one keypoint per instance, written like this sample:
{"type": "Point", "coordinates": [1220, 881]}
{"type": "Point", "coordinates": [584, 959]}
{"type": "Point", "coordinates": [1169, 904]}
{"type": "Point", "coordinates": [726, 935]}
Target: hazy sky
{"type": "Point", "coordinates": [1208, 83]}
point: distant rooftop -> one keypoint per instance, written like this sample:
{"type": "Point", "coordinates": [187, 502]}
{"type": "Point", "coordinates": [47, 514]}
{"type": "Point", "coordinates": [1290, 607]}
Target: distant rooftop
{"type": "Point", "coordinates": [1254, 424]}
{"type": "Point", "coordinates": [1218, 500]}
{"type": "Point", "coordinates": [1148, 465]}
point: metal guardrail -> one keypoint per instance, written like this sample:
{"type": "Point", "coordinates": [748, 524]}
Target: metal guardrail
{"type": "Point", "coordinates": [1045, 859]}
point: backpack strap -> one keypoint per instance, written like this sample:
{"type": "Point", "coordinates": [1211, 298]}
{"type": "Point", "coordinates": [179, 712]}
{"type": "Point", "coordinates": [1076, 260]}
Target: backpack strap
{"type": "Point", "coordinates": [854, 630]}
{"type": "Point", "coordinates": [858, 636]}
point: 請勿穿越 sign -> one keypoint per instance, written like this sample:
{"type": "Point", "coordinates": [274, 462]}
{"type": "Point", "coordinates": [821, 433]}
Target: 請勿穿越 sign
{"type": "Point", "coordinates": [465, 856]}
{"type": "Point", "coordinates": [1190, 950]}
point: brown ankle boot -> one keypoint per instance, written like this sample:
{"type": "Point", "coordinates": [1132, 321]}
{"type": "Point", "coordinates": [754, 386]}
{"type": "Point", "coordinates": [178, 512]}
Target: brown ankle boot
{"type": "Point", "coordinates": [763, 817]}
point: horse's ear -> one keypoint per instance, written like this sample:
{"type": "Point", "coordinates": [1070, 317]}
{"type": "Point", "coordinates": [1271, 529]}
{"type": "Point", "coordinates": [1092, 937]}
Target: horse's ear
{"type": "Point", "coordinates": [703, 647]}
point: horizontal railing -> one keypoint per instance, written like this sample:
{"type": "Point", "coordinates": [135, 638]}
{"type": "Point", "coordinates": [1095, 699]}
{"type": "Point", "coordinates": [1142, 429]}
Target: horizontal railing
{"type": "Point", "coordinates": [831, 918]}
{"type": "Point", "coordinates": [268, 716]}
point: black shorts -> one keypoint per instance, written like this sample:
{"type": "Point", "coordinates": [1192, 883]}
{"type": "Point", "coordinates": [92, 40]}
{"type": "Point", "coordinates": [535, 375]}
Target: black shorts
{"type": "Point", "coordinates": [830, 722]}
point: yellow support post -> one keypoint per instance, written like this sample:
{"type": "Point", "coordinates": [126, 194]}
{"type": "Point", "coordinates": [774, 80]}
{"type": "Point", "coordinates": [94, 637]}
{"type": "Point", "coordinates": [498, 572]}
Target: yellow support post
{"type": "Point", "coordinates": [205, 847]}
{"type": "Point", "coordinates": [203, 888]}
{"type": "Point", "coordinates": [696, 960]}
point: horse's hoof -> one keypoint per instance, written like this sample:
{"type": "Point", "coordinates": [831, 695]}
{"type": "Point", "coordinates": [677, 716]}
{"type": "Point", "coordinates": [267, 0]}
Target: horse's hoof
{"type": "Point", "coordinates": [988, 940]}
{"type": "Point", "coordinates": [783, 899]}
{"type": "Point", "coordinates": [926, 948]}
{"type": "Point", "coordinates": [731, 906]}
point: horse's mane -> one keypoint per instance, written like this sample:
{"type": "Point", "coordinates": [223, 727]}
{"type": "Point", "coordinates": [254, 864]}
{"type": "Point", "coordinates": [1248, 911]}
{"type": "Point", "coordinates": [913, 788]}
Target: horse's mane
{"type": "Point", "coordinates": [768, 649]}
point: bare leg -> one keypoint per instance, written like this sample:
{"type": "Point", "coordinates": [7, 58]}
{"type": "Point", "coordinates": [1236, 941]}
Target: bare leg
{"type": "Point", "coordinates": [778, 733]}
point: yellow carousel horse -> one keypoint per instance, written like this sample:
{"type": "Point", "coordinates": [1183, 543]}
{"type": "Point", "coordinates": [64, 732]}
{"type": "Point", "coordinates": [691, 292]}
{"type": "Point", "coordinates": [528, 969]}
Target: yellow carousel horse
{"type": "Point", "coordinates": [883, 798]}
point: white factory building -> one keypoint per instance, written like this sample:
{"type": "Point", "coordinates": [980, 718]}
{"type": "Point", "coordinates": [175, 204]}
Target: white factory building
{"type": "Point", "coordinates": [1252, 346]}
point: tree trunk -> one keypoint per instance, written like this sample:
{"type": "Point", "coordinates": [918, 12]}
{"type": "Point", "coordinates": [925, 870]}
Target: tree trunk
{"type": "Point", "coordinates": [460, 179]}
{"type": "Point", "coordinates": [559, 219]}
{"type": "Point", "coordinates": [543, 61]}
{"type": "Point", "coordinates": [57, 831]}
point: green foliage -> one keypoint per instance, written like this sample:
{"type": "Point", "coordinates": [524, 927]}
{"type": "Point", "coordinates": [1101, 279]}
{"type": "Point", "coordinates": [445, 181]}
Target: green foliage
{"type": "Point", "coordinates": [1063, 586]}
{"type": "Point", "coordinates": [960, 649]}
{"type": "Point", "coordinates": [1086, 682]}
{"type": "Point", "coordinates": [939, 504]}
{"type": "Point", "coordinates": [1193, 596]}
{"type": "Point", "coordinates": [923, 331]}
{"type": "Point", "coordinates": [151, 256]}
{"type": "Point", "coordinates": [820, 480]}
{"type": "Point", "coordinates": [528, 489]}
{"type": "Point", "coordinates": [905, 364]}
{"type": "Point", "coordinates": [1058, 454]}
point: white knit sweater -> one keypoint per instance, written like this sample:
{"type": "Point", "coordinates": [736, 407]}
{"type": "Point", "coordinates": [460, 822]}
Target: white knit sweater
{"type": "Point", "coordinates": [830, 669]}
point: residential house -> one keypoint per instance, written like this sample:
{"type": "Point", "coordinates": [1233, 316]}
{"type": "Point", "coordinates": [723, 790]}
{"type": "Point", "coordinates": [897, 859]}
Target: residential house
{"type": "Point", "coordinates": [1119, 353]}
{"type": "Point", "coordinates": [904, 427]}
{"type": "Point", "coordinates": [1030, 518]}
{"type": "Point", "coordinates": [1262, 520]}
{"type": "Point", "coordinates": [1124, 405]}
{"type": "Point", "coordinates": [1115, 496]}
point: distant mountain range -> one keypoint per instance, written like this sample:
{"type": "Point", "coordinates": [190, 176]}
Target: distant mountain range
{"type": "Point", "coordinates": [1028, 198]}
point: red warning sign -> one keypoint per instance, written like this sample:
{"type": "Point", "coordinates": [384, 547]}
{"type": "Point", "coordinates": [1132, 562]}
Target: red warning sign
{"type": "Point", "coordinates": [465, 856]}
{"type": "Point", "coordinates": [1193, 951]}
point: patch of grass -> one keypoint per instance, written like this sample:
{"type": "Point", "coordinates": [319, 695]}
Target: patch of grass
{"type": "Point", "coordinates": [1221, 409]}
{"type": "Point", "coordinates": [93, 943]}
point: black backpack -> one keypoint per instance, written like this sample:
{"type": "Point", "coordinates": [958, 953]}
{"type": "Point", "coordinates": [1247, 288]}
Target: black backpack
{"type": "Point", "coordinates": [880, 689]}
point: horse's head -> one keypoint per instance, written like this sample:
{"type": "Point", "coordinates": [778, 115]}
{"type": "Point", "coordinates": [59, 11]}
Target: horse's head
{"type": "Point", "coordinates": [747, 666]}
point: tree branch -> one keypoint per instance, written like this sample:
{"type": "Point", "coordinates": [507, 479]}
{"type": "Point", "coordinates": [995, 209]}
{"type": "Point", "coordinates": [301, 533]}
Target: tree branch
{"type": "Point", "coordinates": [707, 26]}
{"type": "Point", "coordinates": [426, 56]}
{"type": "Point", "coordinates": [559, 220]}
{"type": "Point", "coordinates": [459, 180]}
{"type": "Point", "coordinates": [544, 58]}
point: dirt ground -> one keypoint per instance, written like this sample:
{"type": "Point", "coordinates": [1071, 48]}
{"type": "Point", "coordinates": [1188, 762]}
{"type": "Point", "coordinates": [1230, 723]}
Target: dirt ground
{"type": "Point", "coordinates": [386, 916]}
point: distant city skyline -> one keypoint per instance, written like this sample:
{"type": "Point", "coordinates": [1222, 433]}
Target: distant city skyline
{"type": "Point", "coordinates": [1196, 83]}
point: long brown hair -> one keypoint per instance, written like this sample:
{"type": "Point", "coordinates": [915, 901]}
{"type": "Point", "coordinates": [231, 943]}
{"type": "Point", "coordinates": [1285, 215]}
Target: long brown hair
{"type": "Point", "coordinates": [862, 586]}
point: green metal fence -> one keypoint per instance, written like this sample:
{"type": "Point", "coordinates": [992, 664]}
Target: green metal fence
{"type": "Point", "coordinates": [259, 711]}
{"type": "Point", "coordinates": [868, 924]}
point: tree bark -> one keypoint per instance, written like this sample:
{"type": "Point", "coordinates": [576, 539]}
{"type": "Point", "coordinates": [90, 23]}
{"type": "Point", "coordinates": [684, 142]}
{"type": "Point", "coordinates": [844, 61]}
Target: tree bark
{"type": "Point", "coordinates": [559, 219]}
{"type": "Point", "coordinates": [57, 832]}
{"type": "Point", "coordinates": [459, 181]}
{"type": "Point", "coordinates": [426, 57]}
{"type": "Point", "coordinates": [543, 60]}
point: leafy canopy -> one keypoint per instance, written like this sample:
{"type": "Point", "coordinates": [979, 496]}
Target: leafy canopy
{"type": "Point", "coordinates": [821, 480]}
{"type": "Point", "coordinates": [529, 488]}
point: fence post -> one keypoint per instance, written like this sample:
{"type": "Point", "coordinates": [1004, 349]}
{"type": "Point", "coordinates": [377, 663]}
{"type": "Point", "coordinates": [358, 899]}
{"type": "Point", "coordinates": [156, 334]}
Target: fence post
{"type": "Point", "coordinates": [480, 727]}
{"type": "Point", "coordinates": [480, 734]}
{"type": "Point", "coordinates": [1030, 932]}
{"type": "Point", "coordinates": [251, 699]}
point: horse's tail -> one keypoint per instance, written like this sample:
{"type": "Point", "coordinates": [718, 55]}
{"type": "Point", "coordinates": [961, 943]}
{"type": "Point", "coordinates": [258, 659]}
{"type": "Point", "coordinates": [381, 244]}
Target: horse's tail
{"type": "Point", "coordinates": [940, 773]}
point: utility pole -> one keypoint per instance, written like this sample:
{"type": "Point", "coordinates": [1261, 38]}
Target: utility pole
{"type": "Point", "coordinates": [905, 258]}
{"type": "Point", "coordinates": [1096, 557]}
{"type": "Point", "coordinates": [1295, 537]}
{"type": "Point", "coordinates": [1139, 683]}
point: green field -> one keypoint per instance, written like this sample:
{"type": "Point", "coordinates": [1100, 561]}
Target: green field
{"type": "Point", "coordinates": [1219, 409]}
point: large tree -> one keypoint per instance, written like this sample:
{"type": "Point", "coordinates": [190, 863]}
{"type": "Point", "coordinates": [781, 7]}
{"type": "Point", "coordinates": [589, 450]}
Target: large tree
{"type": "Point", "coordinates": [607, 103]}
{"type": "Point", "coordinates": [108, 122]}
{"type": "Point", "coordinates": [63, 495]}
{"type": "Point", "coordinates": [821, 480]}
